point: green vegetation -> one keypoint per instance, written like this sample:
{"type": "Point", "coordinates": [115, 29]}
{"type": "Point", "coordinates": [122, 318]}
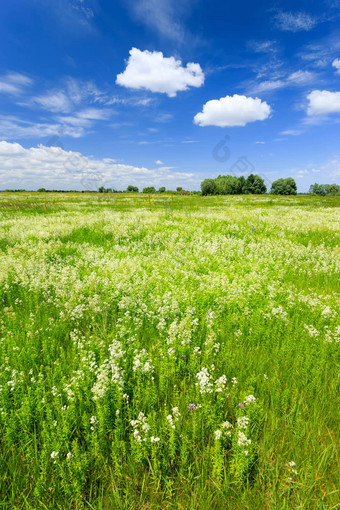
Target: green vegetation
{"type": "Point", "coordinates": [284, 187]}
{"type": "Point", "coordinates": [169, 351]}
{"type": "Point", "coordinates": [325, 189]}
{"type": "Point", "coordinates": [232, 185]}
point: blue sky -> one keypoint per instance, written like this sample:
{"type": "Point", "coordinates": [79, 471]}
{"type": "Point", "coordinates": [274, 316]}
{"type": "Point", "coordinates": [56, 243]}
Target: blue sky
{"type": "Point", "coordinates": [152, 92]}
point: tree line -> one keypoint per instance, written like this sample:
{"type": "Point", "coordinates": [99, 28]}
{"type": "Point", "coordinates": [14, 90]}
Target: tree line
{"type": "Point", "coordinates": [253, 184]}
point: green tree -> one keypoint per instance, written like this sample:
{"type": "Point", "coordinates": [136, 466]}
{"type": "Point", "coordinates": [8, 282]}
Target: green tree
{"type": "Point", "coordinates": [208, 187]}
{"type": "Point", "coordinates": [149, 189]}
{"type": "Point", "coordinates": [162, 189]}
{"type": "Point", "coordinates": [254, 184]}
{"type": "Point", "coordinates": [284, 187]}
{"type": "Point", "coordinates": [132, 189]}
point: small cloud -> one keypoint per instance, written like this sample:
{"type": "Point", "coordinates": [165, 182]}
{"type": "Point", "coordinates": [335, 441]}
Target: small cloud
{"type": "Point", "coordinates": [232, 111]}
{"type": "Point", "coordinates": [323, 102]}
{"type": "Point", "coordinates": [291, 132]}
{"type": "Point", "coordinates": [261, 143]}
{"type": "Point", "coordinates": [262, 46]}
{"type": "Point", "coordinates": [159, 162]}
{"type": "Point", "coordinates": [295, 21]}
{"type": "Point", "coordinates": [150, 70]}
{"type": "Point", "coordinates": [336, 64]}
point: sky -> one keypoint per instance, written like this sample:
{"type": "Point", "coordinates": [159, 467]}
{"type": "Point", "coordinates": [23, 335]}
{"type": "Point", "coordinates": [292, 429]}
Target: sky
{"type": "Point", "coordinates": [157, 92]}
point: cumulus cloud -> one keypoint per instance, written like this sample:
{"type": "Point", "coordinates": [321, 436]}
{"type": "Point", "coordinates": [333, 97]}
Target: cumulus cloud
{"type": "Point", "coordinates": [336, 64]}
{"type": "Point", "coordinates": [55, 168]}
{"type": "Point", "coordinates": [232, 111]}
{"type": "Point", "coordinates": [150, 70]}
{"type": "Point", "coordinates": [323, 102]}
{"type": "Point", "coordinates": [295, 21]}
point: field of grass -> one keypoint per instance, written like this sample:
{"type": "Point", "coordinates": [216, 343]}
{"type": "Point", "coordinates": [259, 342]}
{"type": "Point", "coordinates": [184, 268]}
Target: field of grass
{"type": "Point", "coordinates": [169, 352]}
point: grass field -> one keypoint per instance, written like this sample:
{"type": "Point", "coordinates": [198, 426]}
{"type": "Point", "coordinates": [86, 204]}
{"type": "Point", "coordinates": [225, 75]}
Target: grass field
{"type": "Point", "coordinates": [169, 352]}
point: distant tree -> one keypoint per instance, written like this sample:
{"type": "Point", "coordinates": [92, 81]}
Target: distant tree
{"type": "Point", "coordinates": [149, 189]}
{"type": "Point", "coordinates": [132, 189]}
{"type": "Point", "coordinates": [254, 184]}
{"type": "Point", "coordinates": [284, 187]}
{"type": "Point", "coordinates": [101, 189]}
{"type": "Point", "coordinates": [41, 190]}
{"type": "Point", "coordinates": [333, 189]}
{"type": "Point", "coordinates": [208, 187]}
{"type": "Point", "coordinates": [179, 188]}
{"type": "Point", "coordinates": [324, 189]}
{"type": "Point", "coordinates": [162, 189]}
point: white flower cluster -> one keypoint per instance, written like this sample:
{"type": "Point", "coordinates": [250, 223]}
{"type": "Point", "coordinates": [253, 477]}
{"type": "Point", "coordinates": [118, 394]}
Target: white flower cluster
{"type": "Point", "coordinates": [250, 399]}
{"type": "Point", "coordinates": [174, 417]}
{"type": "Point", "coordinates": [242, 422]}
{"type": "Point", "coordinates": [94, 422]}
{"type": "Point", "coordinates": [109, 371]}
{"type": "Point", "coordinates": [242, 440]}
{"type": "Point", "coordinates": [312, 331]}
{"type": "Point", "coordinates": [221, 384]}
{"type": "Point", "coordinates": [142, 363]}
{"type": "Point", "coordinates": [204, 381]}
{"type": "Point", "coordinates": [227, 427]}
{"type": "Point", "coordinates": [141, 428]}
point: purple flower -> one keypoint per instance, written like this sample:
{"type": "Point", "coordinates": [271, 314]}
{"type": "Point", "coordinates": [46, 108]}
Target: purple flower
{"type": "Point", "coordinates": [241, 406]}
{"type": "Point", "coordinates": [226, 452]}
{"type": "Point", "coordinates": [183, 356]}
{"type": "Point", "coordinates": [192, 407]}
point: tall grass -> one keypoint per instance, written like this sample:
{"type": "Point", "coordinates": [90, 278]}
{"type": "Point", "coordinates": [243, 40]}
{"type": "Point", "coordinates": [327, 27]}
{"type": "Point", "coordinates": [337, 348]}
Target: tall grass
{"type": "Point", "coordinates": [169, 352]}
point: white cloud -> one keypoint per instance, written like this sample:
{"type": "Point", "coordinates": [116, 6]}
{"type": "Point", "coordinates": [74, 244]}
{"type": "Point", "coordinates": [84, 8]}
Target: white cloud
{"type": "Point", "coordinates": [163, 16]}
{"type": "Point", "coordinates": [14, 83]}
{"type": "Point", "coordinates": [267, 85]}
{"type": "Point", "coordinates": [336, 64]}
{"type": "Point", "coordinates": [301, 77]}
{"type": "Point", "coordinates": [323, 102]}
{"type": "Point", "coordinates": [54, 102]}
{"type": "Point", "coordinates": [295, 21]}
{"type": "Point", "coordinates": [298, 78]}
{"type": "Point", "coordinates": [232, 111]}
{"type": "Point", "coordinates": [291, 132]}
{"type": "Point", "coordinates": [159, 162]}
{"type": "Point", "coordinates": [55, 168]}
{"type": "Point", "coordinates": [262, 46]}
{"type": "Point", "coordinates": [150, 70]}
{"type": "Point", "coordinates": [13, 128]}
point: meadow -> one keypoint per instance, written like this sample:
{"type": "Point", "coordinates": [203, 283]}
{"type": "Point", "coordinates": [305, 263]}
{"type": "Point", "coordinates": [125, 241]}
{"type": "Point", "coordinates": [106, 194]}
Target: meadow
{"type": "Point", "coordinates": [169, 352]}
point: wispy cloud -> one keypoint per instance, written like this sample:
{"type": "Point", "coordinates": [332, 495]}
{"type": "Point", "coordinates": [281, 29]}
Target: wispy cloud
{"type": "Point", "coordinates": [295, 21]}
{"type": "Point", "coordinates": [14, 83]}
{"type": "Point", "coordinates": [297, 78]}
{"type": "Point", "coordinates": [163, 16]}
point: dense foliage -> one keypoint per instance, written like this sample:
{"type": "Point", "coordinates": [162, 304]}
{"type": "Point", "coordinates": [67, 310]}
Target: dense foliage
{"type": "Point", "coordinates": [232, 185]}
{"type": "Point", "coordinates": [284, 187]}
{"type": "Point", "coordinates": [325, 189]}
{"type": "Point", "coordinates": [168, 352]}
